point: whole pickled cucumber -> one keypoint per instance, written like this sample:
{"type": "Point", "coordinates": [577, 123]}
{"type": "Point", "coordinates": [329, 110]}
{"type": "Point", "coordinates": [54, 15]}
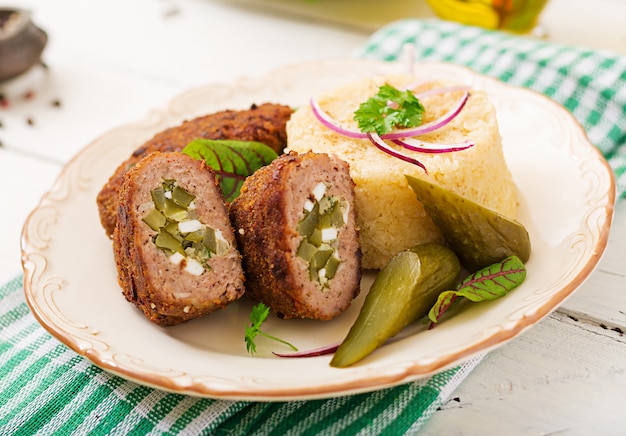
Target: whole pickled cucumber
{"type": "Point", "coordinates": [403, 291]}
{"type": "Point", "coordinates": [479, 236]}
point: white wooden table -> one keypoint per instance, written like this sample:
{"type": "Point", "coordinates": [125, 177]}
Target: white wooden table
{"type": "Point", "coordinates": [111, 62]}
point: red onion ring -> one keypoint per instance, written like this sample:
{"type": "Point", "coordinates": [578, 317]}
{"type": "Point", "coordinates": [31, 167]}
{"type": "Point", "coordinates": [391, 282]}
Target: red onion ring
{"type": "Point", "coordinates": [430, 147]}
{"type": "Point", "coordinates": [382, 145]}
{"type": "Point", "coordinates": [331, 348]}
{"type": "Point", "coordinates": [403, 137]}
{"type": "Point", "coordinates": [433, 125]}
{"type": "Point", "coordinates": [327, 121]}
{"type": "Point", "coordinates": [321, 351]}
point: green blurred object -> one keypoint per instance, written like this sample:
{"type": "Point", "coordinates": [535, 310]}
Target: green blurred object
{"type": "Point", "coordinates": [519, 16]}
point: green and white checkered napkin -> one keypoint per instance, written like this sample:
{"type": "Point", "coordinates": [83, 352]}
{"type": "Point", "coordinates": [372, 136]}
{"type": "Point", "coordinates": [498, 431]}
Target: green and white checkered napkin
{"type": "Point", "coordinates": [591, 84]}
{"type": "Point", "coordinates": [45, 388]}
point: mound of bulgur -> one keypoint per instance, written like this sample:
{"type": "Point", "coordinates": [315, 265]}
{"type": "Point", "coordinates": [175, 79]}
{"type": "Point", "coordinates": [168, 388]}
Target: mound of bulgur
{"type": "Point", "coordinates": [389, 216]}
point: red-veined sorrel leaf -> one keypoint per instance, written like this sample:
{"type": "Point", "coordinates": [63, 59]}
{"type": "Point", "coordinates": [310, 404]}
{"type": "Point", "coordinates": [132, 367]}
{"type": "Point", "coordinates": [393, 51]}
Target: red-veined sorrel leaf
{"type": "Point", "coordinates": [494, 281]}
{"type": "Point", "coordinates": [232, 160]}
{"type": "Point", "coordinates": [444, 301]}
{"type": "Point", "coordinates": [489, 283]}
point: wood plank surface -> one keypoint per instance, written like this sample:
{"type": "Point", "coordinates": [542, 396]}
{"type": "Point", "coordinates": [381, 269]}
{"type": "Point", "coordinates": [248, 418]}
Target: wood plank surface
{"type": "Point", "coordinates": [564, 376]}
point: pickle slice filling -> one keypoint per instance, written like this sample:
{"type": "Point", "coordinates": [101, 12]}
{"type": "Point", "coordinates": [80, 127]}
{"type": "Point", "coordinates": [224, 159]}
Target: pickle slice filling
{"type": "Point", "coordinates": [324, 216]}
{"type": "Point", "coordinates": [179, 233]}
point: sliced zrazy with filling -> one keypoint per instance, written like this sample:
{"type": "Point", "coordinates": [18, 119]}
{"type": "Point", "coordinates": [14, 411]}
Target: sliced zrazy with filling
{"type": "Point", "coordinates": [296, 227]}
{"type": "Point", "coordinates": [175, 249]}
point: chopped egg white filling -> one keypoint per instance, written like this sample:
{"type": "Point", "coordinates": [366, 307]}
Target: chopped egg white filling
{"type": "Point", "coordinates": [194, 267]}
{"type": "Point", "coordinates": [329, 234]}
{"type": "Point", "coordinates": [346, 210]}
{"type": "Point", "coordinates": [222, 243]}
{"type": "Point", "coordinates": [308, 205]}
{"type": "Point", "coordinates": [176, 258]}
{"type": "Point", "coordinates": [189, 226]}
{"type": "Point", "coordinates": [319, 190]}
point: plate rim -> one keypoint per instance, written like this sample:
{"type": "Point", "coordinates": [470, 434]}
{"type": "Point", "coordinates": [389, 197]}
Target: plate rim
{"type": "Point", "coordinates": [409, 373]}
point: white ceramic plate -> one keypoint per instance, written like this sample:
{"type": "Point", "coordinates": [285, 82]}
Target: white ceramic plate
{"type": "Point", "coordinates": [567, 192]}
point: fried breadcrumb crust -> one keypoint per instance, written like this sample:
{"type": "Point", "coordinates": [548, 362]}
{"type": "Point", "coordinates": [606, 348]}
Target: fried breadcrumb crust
{"type": "Point", "coordinates": [264, 123]}
{"type": "Point", "coordinates": [166, 293]}
{"type": "Point", "coordinates": [260, 217]}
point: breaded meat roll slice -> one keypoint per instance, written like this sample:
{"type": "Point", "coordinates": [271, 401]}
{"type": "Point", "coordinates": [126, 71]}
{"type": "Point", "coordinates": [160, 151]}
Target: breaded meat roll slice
{"type": "Point", "coordinates": [264, 123]}
{"type": "Point", "coordinates": [174, 246]}
{"type": "Point", "coordinates": [295, 224]}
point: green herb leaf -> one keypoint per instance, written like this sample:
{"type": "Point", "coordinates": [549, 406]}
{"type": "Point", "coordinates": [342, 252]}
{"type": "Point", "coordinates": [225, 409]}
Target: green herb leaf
{"type": "Point", "coordinates": [388, 109]}
{"type": "Point", "coordinates": [444, 302]}
{"type": "Point", "coordinates": [489, 283]}
{"type": "Point", "coordinates": [259, 314]}
{"type": "Point", "coordinates": [494, 281]}
{"type": "Point", "coordinates": [232, 160]}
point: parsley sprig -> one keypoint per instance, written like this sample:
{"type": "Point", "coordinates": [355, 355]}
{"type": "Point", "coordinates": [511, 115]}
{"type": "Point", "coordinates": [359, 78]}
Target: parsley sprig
{"type": "Point", "coordinates": [259, 314]}
{"type": "Point", "coordinates": [390, 108]}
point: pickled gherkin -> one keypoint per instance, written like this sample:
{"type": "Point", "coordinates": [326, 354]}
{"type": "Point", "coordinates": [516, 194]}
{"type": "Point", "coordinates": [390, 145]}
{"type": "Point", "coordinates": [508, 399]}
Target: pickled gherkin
{"type": "Point", "coordinates": [209, 240]}
{"type": "Point", "coordinates": [336, 215]}
{"type": "Point", "coordinates": [174, 211]}
{"type": "Point", "coordinates": [319, 229]}
{"type": "Point", "coordinates": [181, 197]}
{"type": "Point", "coordinates": [172, 227]}
{"type": "Point", "coordinates": [306, 251]}
{"type": "Point", "coordinates": [309, 222]}
{"type": "Point", "coordinates": [165, 240]}
{"type": "Point", "coordinates": [178, 231]}
{"type": "Point", "coordinates": [154, 219]}
{"type": "Point", "coordinates": [479, 236]}
{"type": "Point", "coordinates": [403, 292]}
{"type": "Point", "coordinates": [197, 236]}
{"type": "Point", "coordinates": [158, 198]}
{"type": "Point", "coordinates": [331, 266]}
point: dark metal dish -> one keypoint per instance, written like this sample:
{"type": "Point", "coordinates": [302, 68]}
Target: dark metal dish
{"type": "Point", "coordinates": [21, 43]}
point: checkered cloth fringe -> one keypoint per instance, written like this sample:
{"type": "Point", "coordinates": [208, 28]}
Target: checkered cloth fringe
{"type": "Point", "coordinates": [47, 389]}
